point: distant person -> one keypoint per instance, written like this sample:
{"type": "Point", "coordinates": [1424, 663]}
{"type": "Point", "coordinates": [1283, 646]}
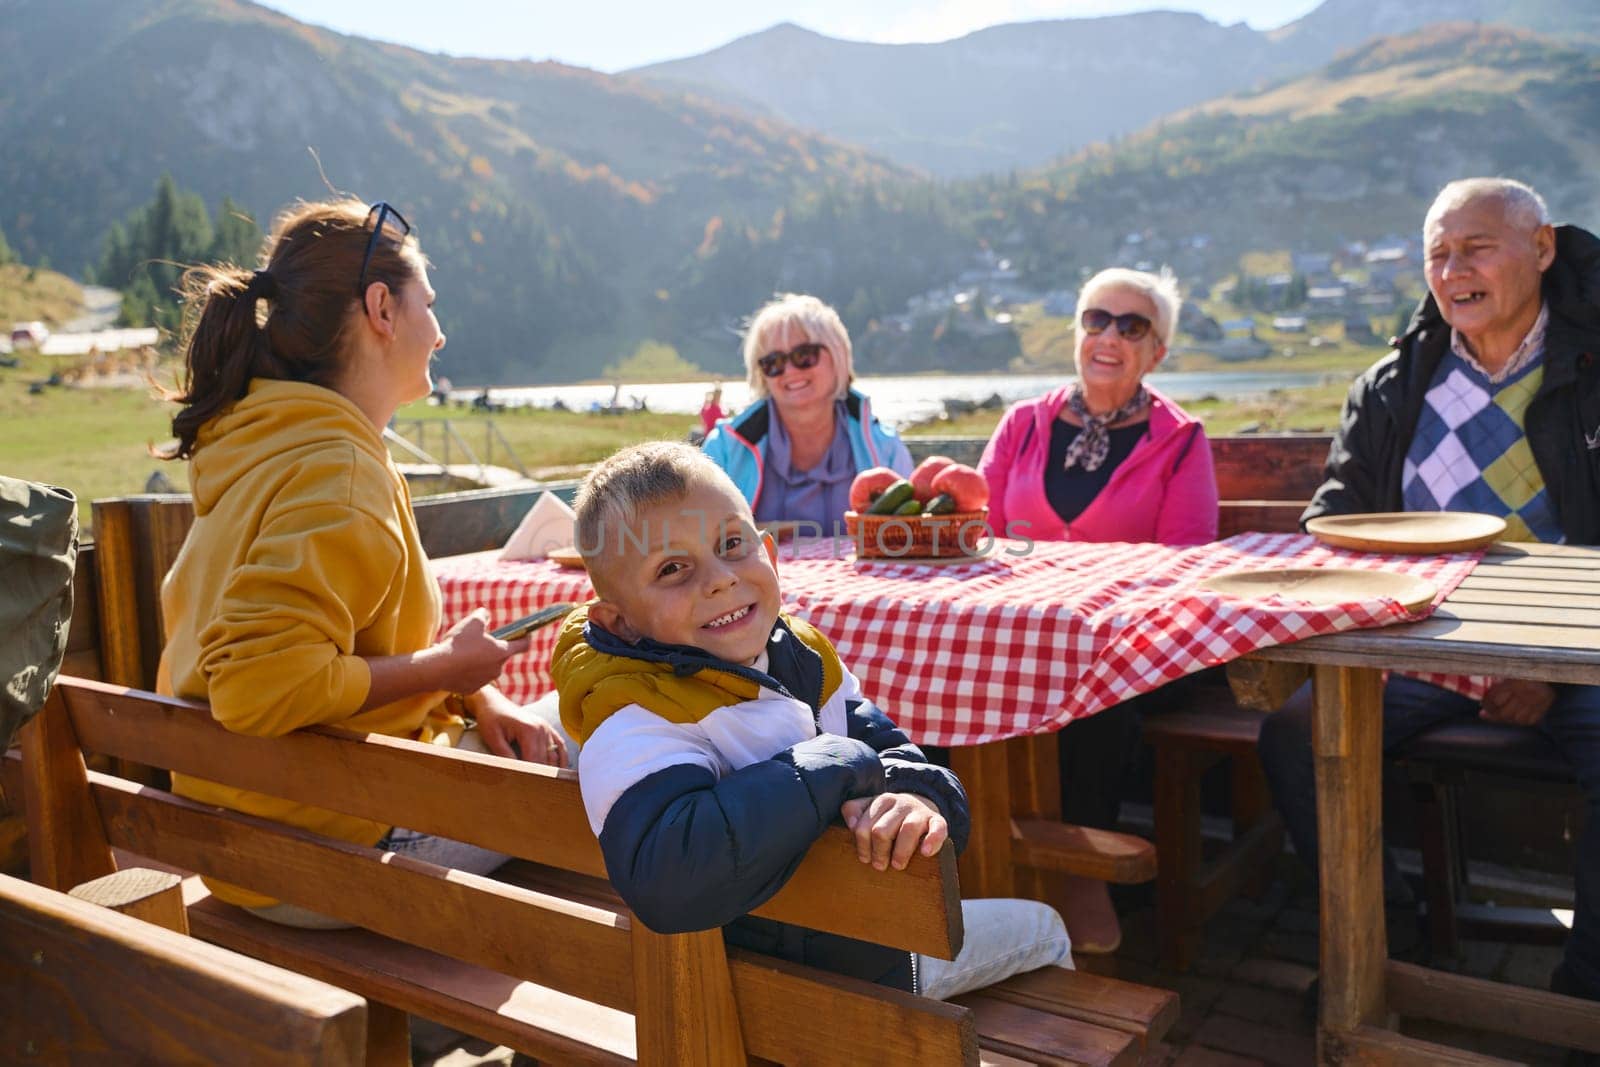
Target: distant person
{"type": "Point", "coordinates": [1490, 403]}
{"type": "Point", "coordinates": [721, 738]}
{"type": "Point", "coordinates": [794, 452]}
{"type": "Point", "coordinates": [1106, 458]}
{"type": "Point", "coordinates": [711, 410]}
{"type": "Point", "coordinates": [302, 595]}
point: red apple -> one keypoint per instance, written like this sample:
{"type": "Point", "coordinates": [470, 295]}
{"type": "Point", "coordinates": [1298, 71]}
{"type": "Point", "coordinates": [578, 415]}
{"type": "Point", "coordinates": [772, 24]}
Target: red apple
{"type": "Point", "coordinates": [922, 478]}
{"type": "Point", "coordinates": [869, 485]}
{"type": "Point", "coordinates": [965, 485]}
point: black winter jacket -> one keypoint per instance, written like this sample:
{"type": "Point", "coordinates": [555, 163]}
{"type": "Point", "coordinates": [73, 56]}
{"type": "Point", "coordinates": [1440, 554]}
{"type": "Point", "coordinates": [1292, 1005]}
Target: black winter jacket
{"type": "Point", "coordinates": [1562, 423]}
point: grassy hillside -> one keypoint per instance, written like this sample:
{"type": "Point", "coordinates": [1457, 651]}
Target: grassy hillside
{"type": "Point", "coordinates": [27, 293]}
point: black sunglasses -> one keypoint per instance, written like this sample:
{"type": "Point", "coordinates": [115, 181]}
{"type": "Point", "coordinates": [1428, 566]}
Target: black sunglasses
{"type": "Point", "coordinates": [1130, 325]}
{"type": "Point", "coordinates": [804, 357]}
{"type": "Point", "coordinates": [384, 210]}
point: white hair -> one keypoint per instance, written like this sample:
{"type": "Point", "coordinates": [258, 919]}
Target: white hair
{"type": "Point", "coordinates": [1160, 289]}
{"type": "Point", "coordinates": [791, 315]}
{"type": "Point", "coordinates": [1522, 206]}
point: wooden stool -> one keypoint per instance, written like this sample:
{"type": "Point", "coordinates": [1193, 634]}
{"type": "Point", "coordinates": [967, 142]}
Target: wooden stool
{"type": "Point", "coordinates": [1189, 890]}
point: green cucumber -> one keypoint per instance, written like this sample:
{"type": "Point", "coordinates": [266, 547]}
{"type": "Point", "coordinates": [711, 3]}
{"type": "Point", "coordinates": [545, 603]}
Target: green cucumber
{"type": "Point", "coordinates": [943, 504]}
{"type": "Point", "coordinates": [910, 507]}
{"type": "Point", "coordinates": [889, 502]}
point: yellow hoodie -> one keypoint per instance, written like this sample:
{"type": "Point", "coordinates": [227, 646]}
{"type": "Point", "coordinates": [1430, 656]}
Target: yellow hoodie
{"type": "Point", "coordinates": [303, 559]}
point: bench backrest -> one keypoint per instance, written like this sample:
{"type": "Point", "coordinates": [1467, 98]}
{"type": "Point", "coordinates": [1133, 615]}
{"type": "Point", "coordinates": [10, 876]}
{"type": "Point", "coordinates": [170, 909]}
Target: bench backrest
{"type": "Point", "coordinates": [1263, 480]}
{"type": "Point", "coordinates": [90, 985]}
{"type": "Point", "coordinates": [593, 951]}
{"type": "Point", "coordinates": [137, 538]}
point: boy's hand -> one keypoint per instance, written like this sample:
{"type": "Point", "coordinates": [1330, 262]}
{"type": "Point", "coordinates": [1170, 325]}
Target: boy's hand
{"type": "Point", "coordinates": [889, 827]}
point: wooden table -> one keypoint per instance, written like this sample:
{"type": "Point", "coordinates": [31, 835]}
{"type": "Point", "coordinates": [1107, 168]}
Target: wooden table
{"type": "Point", "coordinates": [1526, 611]}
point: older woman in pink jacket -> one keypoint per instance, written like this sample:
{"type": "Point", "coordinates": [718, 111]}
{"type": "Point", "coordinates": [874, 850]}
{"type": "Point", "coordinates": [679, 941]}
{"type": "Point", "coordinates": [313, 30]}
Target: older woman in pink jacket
{"type": "Point", "coordinates": [1106, 458]}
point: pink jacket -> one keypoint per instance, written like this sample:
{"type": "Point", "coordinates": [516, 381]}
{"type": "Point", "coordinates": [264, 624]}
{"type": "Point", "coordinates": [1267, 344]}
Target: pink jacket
{"type": "Point", "coordinates": [1165, 491]}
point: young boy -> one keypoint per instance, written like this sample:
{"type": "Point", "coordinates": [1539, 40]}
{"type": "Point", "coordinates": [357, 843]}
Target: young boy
{"type": "Point", "coordinates": [720, 738]}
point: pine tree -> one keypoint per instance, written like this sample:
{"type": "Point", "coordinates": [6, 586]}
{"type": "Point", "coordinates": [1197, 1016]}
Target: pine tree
{"type": "Point", "coordinates": [147, 253]}
{"type": "Point", "coordinates": [236, 238]}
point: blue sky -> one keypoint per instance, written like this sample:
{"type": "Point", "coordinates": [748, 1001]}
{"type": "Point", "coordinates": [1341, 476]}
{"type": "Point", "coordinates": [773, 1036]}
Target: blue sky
{"type": "Point", "coordinates": [613, 35]}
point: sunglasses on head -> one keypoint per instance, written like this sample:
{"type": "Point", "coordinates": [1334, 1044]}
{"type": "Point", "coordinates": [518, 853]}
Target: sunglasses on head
{"type": "Point", "coordinates": [804, 357]}
{"type": "Point", "coordinates": [383, 210]}
{"type": "Point", "coordinates": [1130, 325]}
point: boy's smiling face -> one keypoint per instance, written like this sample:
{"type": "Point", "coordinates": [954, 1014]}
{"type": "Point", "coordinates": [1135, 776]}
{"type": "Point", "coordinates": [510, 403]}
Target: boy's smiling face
{"type": "Point", "coordinates": [704, 577]}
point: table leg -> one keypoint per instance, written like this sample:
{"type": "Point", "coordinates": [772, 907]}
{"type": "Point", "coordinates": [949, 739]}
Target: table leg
{"type": "Point", "coordinates": [985, 868]}
{"type": "Point", "coordinates": [1347, 741]}
{"type": "Point", "coordinates": [1035, 770]}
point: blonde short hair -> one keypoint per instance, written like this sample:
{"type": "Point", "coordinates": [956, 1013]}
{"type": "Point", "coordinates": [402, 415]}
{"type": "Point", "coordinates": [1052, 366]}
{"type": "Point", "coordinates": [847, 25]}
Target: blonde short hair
{"type": "Point", "coordinates": [627, 482]}
{"type": "Point", "coordinates": [1160, 289]}
{"type": "Point", "coordinates": [789, 314]}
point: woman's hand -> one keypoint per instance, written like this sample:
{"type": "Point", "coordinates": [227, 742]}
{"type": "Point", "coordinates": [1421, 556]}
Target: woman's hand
{"type": "Point", "coordinates": [469, 657]}
{"type": "Point", "coordinates": [510, 730]}
{"type": "Point", "coordinates": [890, 826]}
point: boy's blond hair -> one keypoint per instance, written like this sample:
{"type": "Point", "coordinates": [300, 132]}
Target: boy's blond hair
{"type": "Point", "coordinates": [627, 482]}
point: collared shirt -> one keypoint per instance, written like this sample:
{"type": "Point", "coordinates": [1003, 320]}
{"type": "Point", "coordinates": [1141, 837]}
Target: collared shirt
{"type": "Point", "coordinates": [820, 494]}
{"type": "Point", "coordinates": [1531, 348]}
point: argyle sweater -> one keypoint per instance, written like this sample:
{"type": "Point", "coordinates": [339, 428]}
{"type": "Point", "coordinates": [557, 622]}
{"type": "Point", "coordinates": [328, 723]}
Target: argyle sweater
{"type": "Point", "coordinates": [1470, 451]}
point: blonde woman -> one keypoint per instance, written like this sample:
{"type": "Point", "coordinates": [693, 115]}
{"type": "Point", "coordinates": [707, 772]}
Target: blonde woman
{"type": "Point", "coordinates": [794, 452]}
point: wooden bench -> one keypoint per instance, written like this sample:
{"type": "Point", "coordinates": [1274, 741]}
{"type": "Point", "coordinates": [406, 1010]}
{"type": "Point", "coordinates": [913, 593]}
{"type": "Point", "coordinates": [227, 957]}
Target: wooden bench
{"type": "Point", "coordinates": [86, 984]}
{"type": "Point", "coordinates": [137, 538]}
{"type": "Point", "coordinates": [554, 965]}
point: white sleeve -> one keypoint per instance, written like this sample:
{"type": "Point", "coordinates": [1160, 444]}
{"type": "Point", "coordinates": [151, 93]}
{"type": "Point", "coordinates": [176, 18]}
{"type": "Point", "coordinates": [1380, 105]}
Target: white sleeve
{"type": "Point", "coordinates": [833, 711]}
{"type": "Point", "coordinates": [758, 729]}
{"type": "Point", "coordinates": [631, 745]}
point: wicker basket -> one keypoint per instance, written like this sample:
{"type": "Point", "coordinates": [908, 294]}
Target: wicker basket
{"type": "Point", "coordinates": [959, 533]}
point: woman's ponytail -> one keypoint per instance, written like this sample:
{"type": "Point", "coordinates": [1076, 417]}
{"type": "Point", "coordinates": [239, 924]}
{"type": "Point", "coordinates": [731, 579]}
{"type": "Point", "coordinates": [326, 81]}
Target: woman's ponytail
{"type": "Point", "coordinates": [288, 320]}
{"type": "Point", "coordinates": [225, 344]}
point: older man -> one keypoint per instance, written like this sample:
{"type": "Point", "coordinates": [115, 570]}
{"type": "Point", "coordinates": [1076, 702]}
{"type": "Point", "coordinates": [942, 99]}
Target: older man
{"type": "Point", "coordinates": [1489, 403]}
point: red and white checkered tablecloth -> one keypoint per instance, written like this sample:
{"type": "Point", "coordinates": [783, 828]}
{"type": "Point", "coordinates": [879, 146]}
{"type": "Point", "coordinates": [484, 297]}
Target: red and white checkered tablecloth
{"type": "Point", "coordinates": [1010, 645]}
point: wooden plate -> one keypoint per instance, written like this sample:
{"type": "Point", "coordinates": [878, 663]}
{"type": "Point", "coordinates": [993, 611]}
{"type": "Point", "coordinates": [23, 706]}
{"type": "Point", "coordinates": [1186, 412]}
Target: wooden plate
{"type": "Point", "coordinates": [566, 557]}
{"type": "Point", "coordinates": [1420, 532]}
{"type": "Point", "coordinates": [1324, 586]}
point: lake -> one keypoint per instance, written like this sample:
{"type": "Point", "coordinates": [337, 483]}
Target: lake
{"type": "Point", "coordinates": [898, 401]}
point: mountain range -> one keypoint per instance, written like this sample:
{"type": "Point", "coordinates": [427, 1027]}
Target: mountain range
{"type": "Point", "coordinates": [572, 215]}
{"type": "Point", "coordinates": [1017, 95]}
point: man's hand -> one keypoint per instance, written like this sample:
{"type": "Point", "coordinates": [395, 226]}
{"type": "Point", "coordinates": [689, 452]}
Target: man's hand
{"type": "Point", "coordinates": [1518, 702]}
{"type": "Point", "coordinates": [890, 826]}
{"type": "Point", "coordinates": [511, 730]}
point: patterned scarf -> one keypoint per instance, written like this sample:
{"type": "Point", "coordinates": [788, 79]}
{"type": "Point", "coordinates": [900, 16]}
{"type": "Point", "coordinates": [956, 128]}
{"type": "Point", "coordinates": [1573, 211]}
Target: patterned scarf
{"type": "Point", "coordinates": [1094, 442]}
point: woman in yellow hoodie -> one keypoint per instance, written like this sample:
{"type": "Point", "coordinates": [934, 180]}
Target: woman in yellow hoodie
{"type": "Point", "coordinates": [302, 595]}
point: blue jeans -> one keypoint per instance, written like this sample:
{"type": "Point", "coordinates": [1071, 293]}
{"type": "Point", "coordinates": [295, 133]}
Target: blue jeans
{"type": "Point", "coordinates": [1410, 707]}
{"type": "Point", "coordinates": [1004, 937]}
